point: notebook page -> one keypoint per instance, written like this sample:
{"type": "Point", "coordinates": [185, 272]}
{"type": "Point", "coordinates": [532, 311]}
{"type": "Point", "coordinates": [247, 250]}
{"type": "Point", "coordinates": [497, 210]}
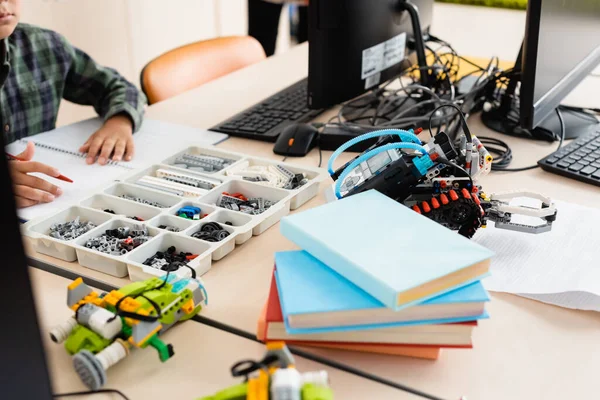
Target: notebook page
{"type": "Point", "coordinates": [559, 267]}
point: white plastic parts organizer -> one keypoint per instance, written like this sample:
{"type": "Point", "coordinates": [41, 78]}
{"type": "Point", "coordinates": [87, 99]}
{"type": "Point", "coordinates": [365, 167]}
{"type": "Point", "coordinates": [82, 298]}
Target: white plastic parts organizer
{"type": "Point", "coordinates": [241, 226]}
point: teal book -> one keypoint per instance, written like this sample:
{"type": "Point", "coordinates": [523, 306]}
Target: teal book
{"type": "Point", "coordinates": [316, 299]}
{"type": "Point", "coordinates": [396, 255]}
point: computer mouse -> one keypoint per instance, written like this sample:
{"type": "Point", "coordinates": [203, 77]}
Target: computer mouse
{"type": "Point", "coordinates": [296, 140]}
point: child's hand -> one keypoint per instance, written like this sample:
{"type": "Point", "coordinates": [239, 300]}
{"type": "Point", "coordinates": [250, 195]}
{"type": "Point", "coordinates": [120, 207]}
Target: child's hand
{"type": "Point", "coordinates": [115, 137]}
{"type": "Point", "coordinates": [31, 190]}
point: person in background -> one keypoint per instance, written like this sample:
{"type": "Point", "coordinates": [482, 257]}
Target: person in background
{"type": "Point", "coordinates": [263, 22]}
{"type": "Point", "coordinates": [39, 68]}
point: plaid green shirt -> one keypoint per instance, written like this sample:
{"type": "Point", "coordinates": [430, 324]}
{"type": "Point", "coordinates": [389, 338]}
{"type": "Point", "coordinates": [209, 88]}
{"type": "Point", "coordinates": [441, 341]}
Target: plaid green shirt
{"type": "Point", "coordinates": [39, 67]}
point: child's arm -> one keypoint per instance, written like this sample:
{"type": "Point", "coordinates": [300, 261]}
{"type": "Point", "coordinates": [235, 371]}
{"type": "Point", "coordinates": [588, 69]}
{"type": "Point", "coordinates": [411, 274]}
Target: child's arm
{"type": "Point", "coordinates": [115, 99]}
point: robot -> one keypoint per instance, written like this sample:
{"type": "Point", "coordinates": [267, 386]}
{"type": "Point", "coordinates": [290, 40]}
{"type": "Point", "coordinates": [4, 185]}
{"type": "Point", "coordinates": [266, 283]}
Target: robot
{"type": "Point", "coordinates": [106, 326]}
{"type": "Point", "coordinates": [275, 378]}
{"type": "Point", "coordinates": [438, 180]}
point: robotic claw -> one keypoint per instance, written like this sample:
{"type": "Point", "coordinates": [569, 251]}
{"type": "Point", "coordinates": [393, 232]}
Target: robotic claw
{"type": "Point", "coordinates": [439, 180]}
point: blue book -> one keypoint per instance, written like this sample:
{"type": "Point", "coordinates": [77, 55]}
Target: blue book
{"type": "Point", "coordinates": [398, 256]}
{"type": "Point", "coordinates": [315, 299]}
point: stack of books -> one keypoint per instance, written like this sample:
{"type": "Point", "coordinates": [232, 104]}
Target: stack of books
{"type": "Point", "coordinates": [375, 276]}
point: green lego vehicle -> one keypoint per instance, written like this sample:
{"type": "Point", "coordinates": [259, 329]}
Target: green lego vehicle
{"type": "Point", "coordinates": [106, 326]}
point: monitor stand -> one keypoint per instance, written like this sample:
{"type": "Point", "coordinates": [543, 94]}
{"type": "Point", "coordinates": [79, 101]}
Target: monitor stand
{"type": "Point", "coordinates": [504, 118]}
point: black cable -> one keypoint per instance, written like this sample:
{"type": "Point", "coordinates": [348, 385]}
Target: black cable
{"type": "Point", "coordinates": [320, 155]}
{"type": "Point", "coordinates": [90, 393]}
{"type": "Point", "coordinates": [465, 126]}
{"type": "Point", "coordinates": [252, 366]}
{"type": "Point", "coordinates": [504, 151]}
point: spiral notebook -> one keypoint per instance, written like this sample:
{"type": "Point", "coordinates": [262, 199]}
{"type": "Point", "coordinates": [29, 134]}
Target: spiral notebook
{"type": "Point", "coordinates": [155, 141]}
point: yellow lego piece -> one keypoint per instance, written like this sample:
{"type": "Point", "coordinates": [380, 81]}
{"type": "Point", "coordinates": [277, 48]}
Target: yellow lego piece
{"type": "Point", "coordinates": [131, 305]}
{"type": "Point", "coordinates": [188, 307]}
{"type": "Point", "coordinates": [263, 386]}
{"type": "Point", "coordinates": [112, 297]}
{"type": "Point", "coordinates": [252, 389]}
{"type": "Point", "coordinates": [275, 345]}
{"type": "Point", "coordinates": [75, 283]}
{"type": "Point", "coordinates": [489, 159]}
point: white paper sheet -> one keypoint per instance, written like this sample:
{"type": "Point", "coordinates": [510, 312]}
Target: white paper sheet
{"type": "Point", "coordinates": [560, 267]}
{"type": "Point", "coordinates": [155, 141]}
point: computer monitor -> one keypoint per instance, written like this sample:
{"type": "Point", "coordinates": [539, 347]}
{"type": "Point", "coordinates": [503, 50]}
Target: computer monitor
{"type": "Point", "coordinates": [356, 45]}
{"type": "Point", "coordinates": [560, 49]}
{"type": "Point", "coordinates": [23, 368]}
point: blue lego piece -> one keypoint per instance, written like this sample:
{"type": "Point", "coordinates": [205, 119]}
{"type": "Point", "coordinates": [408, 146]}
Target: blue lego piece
{"type": "Point", "coordinates": [189, 212]}
{"type": "Point", "coordinates": [178, 286]}
{"type": "Point", "coordinates": [422, 164]}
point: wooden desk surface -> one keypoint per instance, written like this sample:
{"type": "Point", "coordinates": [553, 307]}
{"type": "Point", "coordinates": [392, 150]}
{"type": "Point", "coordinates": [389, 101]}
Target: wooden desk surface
{"type": "Point", "coordinates": [200, 367]}
{"type": "Point", "coordinates": [527, 350]}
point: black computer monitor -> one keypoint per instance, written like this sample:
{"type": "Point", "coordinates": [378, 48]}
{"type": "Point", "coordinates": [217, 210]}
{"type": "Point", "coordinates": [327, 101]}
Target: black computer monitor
{"type": "Point", "coordinates": [560, 49]}
{"type": "Point", "coordinates": [23, 368]}
{"type": "Point", "coordinates": [356, 45]}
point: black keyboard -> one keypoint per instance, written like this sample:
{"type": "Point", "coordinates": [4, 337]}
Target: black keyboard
{"type": "Point", "coordinates": [267, 119]}
{"type": "Point", "coordinates": [578, 160]}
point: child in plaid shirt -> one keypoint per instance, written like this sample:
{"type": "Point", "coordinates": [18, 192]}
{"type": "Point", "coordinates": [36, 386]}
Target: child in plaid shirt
{"type": "Point", "coordinates": [38, 68]}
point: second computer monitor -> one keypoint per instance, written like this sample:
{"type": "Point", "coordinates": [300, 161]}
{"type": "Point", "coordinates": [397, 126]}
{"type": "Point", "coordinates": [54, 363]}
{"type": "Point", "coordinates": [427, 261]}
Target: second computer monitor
{"type": "Point", "coordinates": [355, 45]}
{"type": "Point", "coordinates": [561, 47]}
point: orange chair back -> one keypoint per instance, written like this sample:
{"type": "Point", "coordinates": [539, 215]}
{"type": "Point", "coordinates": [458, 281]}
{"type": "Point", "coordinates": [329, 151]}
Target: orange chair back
{"type": "Point", "coordinates": [193, 65]}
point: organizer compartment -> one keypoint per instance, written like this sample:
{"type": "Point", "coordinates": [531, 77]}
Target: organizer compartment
{"type": "Point", "coordinates": [121, 207]}
{"type": "Point", "coordinates": [162, 199]}
{"type": "Point", "coordinates": [242, 223]}
{"type": "Point", "coordinates": [103, 262]}
{"type": "Point", "coordinates": [39, 229]}
{"type": "Point", "coordinates": [300, 195]}
{"type": "Point", "coordinates": [218, 249]}
{"type": "Point", "coordinates": [170, 220]}
{"type": "Point", "coordinates": [205, 210]}
{"type": "Point", "coordinates": [263, 220]}
{"type": "Point", "coordinates": [203, 151]}
{"type": "Point", "coordinates": [154, 178]}
{"type": "Point", "coordinates": [201, 264]}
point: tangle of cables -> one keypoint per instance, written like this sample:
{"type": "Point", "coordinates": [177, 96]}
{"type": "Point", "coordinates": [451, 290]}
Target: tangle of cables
{"type": "Point", "coordinates": [413, 105]}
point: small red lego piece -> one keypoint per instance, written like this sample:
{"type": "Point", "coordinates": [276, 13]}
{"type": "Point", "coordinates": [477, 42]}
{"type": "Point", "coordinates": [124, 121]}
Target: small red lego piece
{"type": "Point", "coordinates": [191, 256]}
{"type": "Point", "coordinates": [239, 196]}
{"type": "Point", "coordinates": [416, 209]}
{"type": "Point", "coordinates": [425, 207]}
{"type": "Point", "coordinates": [444, 199]}
{"type": "Point", "coordinates": [453, 195]}
{"type": "Point", "coordinates": [465, 193]}
{"type": "Point", "coordinates": [475, 189]}
{"type": "Point", "coordinates": [418, 130]}
{"type": "Point", "coordinates": [434, 156]}
{"type": "Point", "coordinates": [476, 199]}
{"type": "Point", "coordinates": [435, 203]}
{"type": "Point", "coordinates": [443, 184]}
